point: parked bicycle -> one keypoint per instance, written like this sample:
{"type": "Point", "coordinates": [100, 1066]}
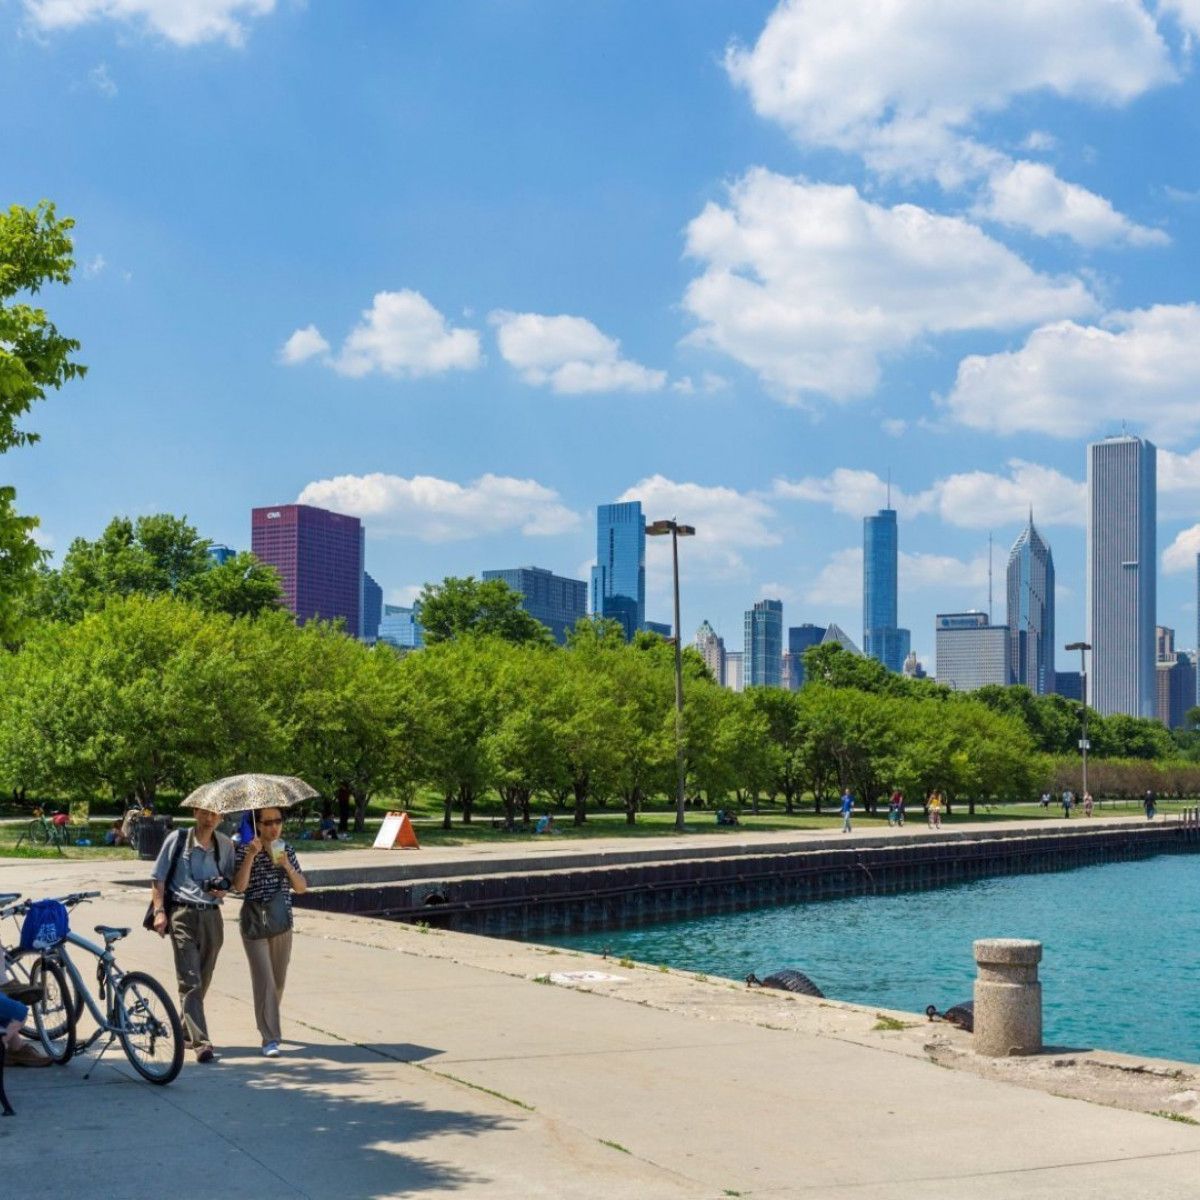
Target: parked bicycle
{"type": "Point", "coordinates": [53, 830]}
{"type": "Point", "coordinates": [55, 1000]}
{"type": "Point", "coordinates": [137, 1011]}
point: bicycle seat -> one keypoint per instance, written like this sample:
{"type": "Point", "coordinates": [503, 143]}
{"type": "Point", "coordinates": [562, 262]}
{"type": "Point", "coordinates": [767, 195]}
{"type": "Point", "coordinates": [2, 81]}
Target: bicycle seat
{"type": "Point", "coordinates": [110, 933]}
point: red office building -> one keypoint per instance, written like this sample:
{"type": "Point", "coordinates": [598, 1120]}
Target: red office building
{"type": "Point", "coordinates": [319, 557]}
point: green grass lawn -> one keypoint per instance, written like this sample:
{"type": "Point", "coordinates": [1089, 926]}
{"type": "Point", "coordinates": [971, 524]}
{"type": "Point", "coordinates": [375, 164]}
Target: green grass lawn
{"type": "Point", "coordinates": [601, 823]}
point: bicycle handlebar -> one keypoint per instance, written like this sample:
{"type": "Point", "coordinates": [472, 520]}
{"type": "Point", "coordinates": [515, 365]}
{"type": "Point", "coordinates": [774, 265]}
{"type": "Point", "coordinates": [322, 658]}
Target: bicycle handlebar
{"type": "Point", "coordinates": [16, 910]}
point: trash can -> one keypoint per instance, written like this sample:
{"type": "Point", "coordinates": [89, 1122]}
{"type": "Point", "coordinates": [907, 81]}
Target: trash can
{"type": "Point", "coordinates": [148, 835]}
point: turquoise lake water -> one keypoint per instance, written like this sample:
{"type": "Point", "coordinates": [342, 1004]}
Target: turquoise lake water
{"type": "Point", "coordinates": [1120, 969]}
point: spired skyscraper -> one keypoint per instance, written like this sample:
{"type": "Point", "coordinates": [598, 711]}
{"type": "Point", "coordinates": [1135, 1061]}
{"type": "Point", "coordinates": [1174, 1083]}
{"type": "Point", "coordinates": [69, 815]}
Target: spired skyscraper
{"type": "Point", "coordinates": [882, 639]}
{"type": "Point", "coordinates": [619, 576]}
{"type": "Point", "coordinates": [1031, 611]}
{"type": "Point", "coordinates": [1121, 579]}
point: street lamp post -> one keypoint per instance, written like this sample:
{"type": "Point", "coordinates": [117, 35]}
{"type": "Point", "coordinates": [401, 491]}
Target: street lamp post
{"type": "Point", "coordinates": [656, 529]}
{"type": "Point", "coordinates": [1083, 648]}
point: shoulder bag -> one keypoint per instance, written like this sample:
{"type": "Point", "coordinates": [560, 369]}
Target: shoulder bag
{"type": "Point", "coordinates": [168, 900]}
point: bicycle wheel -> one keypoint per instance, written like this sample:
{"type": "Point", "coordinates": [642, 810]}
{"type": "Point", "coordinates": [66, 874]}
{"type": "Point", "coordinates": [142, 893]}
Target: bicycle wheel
{"type": "Point", "coordinates": [39, 833]}
{"type": "Point", "coordinates": [148, 1027]}
{"type": "Point", "coordinates": [53, 1015]}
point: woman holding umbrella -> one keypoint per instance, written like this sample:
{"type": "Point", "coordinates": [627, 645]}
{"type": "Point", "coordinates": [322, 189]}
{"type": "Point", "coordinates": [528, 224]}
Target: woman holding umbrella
{"type": "Point", "coordinates": [267, 874]}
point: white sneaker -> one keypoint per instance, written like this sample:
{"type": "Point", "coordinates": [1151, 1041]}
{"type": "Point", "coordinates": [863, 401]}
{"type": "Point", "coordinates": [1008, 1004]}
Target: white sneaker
{"type": "Point", "coordinates": [271, 1050]}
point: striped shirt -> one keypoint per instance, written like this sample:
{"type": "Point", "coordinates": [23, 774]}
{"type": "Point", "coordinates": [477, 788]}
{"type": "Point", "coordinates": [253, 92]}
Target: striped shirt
{"type": "Point", "coordinates": [266, 879]}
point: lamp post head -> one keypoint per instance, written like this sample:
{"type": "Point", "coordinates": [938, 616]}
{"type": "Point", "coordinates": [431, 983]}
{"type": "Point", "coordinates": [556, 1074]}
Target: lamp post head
{"type": "Point", "coordinates": [1078, 646]}
{"type": "Point", "coordinates": [657, 528]}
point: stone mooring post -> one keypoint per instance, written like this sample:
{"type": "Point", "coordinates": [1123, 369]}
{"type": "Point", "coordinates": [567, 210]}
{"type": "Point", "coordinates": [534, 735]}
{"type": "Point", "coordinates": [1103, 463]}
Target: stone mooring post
{"type": "Point", "coordinates": [1008, 997]}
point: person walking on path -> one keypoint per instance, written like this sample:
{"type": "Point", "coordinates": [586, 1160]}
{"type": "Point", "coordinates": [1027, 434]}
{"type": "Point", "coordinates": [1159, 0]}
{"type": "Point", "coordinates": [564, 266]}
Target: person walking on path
{"type": "Point", "coordinates": [1087, 804]}
{"type": "Point", "coordinates": [1150, 804]}
{"type": "Point", "coordinates": [1068, 802]}
{"type": "Point", "coordinates": [190, 877]}
{"type": "Point", "coordinates": [847, 810]}
{"type": "Point", "coordinates": [935, 809]}
{"type": "Point", "coordinates": [267, 874]}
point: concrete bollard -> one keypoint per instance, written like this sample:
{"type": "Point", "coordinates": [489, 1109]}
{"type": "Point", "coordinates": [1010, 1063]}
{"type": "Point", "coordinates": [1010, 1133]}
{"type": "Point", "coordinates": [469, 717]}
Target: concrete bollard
{"type": "Point", "coordinates": [1008, 997]}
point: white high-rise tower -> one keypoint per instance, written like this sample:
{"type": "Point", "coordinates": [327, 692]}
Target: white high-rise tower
{"type": "Point", "coordinates": [1122, 574]}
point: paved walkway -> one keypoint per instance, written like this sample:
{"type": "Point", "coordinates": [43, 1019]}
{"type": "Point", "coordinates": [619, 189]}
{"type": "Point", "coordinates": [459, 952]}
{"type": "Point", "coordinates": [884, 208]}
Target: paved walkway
{"type": "Point", "coordinates": [436, 1065]}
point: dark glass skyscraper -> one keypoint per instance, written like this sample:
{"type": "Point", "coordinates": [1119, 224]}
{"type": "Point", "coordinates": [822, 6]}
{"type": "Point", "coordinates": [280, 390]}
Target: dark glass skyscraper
{"type": "Point", "coordinates": [882, 638]}
{"type": "Point", "coordinates": [319, 557]}
{"type": "Point", "coordinates": [801, 638]}
{"type": "Point", "coordinates": [763, 646]}
{"type": "Point", "coordinates": [619, 576]}
{"type": "Point", "coordinates": [372, 608]}
{"type": "Point", "coordinates": [556, 601]}
{"type": "Point", "coordinates": [1031, 611]}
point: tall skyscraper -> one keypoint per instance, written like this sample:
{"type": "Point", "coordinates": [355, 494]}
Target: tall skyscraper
{"type": "Point", "coordinates": [1031, 611]}
{"type": "Point", "coordinates": [763, 645]}
{"type": "Point", "coordinates": [801, 638]}
{"type": "Point", "coordinates": [1122, 574]}
{"type": "Point", "coordinates": [220, 555]}
{"type": "Point", "coordinates": [882, 637]}
{"type": "Point", "coordinates": [712, 649]}
{"type": "Point", "coordinates": [735, 675]}
{"type": "Point", "coordinates": [319, 557]}
{"type": "Point", "coordinates": [401, 627]}
{"type": "Point", "coordinates": [970, 651]}
{"type": "Point", "coordinates": [372, 608]}
{"type": "Point", "coordinates": [555, 600]}
{"type": "Point", "coordinates": [619, 576]}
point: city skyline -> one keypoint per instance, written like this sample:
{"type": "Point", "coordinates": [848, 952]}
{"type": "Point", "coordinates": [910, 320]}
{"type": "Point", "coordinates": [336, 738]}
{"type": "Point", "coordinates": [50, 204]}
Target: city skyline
{"type": "Point", "coordinates": [551, 283]}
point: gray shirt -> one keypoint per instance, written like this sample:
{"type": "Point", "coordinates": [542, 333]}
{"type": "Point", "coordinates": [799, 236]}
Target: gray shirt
{"type": "Point", "coordinates": [195, 865]}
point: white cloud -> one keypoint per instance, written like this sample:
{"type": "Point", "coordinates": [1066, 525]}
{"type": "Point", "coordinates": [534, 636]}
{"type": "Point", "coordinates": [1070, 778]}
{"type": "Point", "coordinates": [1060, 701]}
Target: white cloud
{"type": "Point", "coordinates": [1031, 196]}
{"type": "Point", "coordinates": [894, 426]}
{"type": "Point", "coordinates": [1039, 142]}
{"type": "Point", "coordinates": [304, 344]}
{"type": "Point", "coordinates": [967, 499]}
{"type": "Point", "coordinates": [900, 84]}
{"type": "Point", "coordinates": [102, 81]}
{"type": "Point", "coordinates": [184, 22]}
{"type": "Point", "coordinates": [406, 595]}
{"type": "Point", "coordinates": [1186, 12]}
{"type": "Point", "coordinates": [1178, 473]}
{"type": "Point", "coordinates": [1070, 380]}
{"type": "Point", "coordinates": [569, 355]}
{"type": "Point", "coordinates": [726, 521]}
{"type": "Point", "coordinates": [845, 73]}
{"type": "Point", "coordinates": [810, 285]}
{"type": "Point", "coordinates": [839, 582]}
{"type": "Point", "coordinates": [401, 335]}
{"type": "Point", "coordinates": [94, 266]}
{"type": "Point", "coordinates": [440, 510]}
{"type": "Point", "coordinates": [1181, 554]}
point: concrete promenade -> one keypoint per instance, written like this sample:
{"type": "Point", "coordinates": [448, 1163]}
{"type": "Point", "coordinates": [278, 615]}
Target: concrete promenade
{"type": "Point", "coordinates": [432, 1064]}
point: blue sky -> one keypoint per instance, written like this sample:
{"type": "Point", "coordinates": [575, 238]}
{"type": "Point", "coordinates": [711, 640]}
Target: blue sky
{"type": "Point", "coordinates": [468, 269]}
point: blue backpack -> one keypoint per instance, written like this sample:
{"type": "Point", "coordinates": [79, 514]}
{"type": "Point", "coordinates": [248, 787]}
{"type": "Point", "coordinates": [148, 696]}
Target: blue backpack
{"type": "Point", "coordinates": [45, 925]}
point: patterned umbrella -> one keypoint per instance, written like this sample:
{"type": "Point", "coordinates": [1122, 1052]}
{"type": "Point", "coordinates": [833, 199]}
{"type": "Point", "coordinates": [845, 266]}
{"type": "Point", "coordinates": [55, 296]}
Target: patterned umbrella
{"type": "Point", "coordinates": [239, 793]}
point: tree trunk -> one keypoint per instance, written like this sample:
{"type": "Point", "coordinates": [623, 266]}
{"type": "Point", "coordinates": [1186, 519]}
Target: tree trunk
{"type": "Point", "coordinates": [447, 809]}
{"type": "Point", "coordinates": [361, 800]}
{"type": "Point", "coordinates": [466, 796]}
{"type": "Point", "coordinates": [580, 788]}
{"type": "Point", "coordinates": [508, 797]}
{"type": "Point", "coordinates": [632, 803]}
{"type": "Point", "coordinates": [754, 803]}
{"type": "Point", "coordinates": [525, 796]}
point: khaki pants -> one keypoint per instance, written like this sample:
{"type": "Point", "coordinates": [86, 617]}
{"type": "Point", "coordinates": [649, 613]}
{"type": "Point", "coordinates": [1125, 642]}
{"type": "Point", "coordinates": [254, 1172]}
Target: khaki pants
{"type": "Point", "coordinates": [197, 935]}
{"type": "Point", "coordinates": [268, 959]}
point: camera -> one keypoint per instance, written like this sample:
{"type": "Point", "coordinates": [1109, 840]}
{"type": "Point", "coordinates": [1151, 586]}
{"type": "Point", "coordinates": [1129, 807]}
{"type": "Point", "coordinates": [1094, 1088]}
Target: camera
{"type": "Point", "coordinates": [218, 883]}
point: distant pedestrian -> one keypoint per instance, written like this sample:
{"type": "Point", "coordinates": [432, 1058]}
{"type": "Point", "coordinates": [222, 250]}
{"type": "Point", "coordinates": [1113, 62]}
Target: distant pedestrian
{"type": "Point", "coordinates": [1087, 804]}
{"type": "Point", "coordinates": [1068, 801]}
{"type": "Point", "coordinates": [847, 810]}
{"type": "Point", "coordinates": [896, 808]}
{"type": "Point", "coordinates": [267, 875]}
{"type": "Point", "coordinates": [935, 809]}
{"type": "Point", "coordinates": [1045, 800]}
{"type": "Point", "coordinates": [1150, 804]}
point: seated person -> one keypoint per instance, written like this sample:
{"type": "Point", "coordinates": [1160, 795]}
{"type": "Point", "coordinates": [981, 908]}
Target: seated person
{"type": "Point", "coordinates": [115, 835]}
{"type": "Point", "coordinates": [545, 824]}
{"type": "Point", "coordinates": [19, 1053]}
{"type": "Point", "coordinates": [726, 816]}
{"type": "Point", "coordinates": [327, 830]}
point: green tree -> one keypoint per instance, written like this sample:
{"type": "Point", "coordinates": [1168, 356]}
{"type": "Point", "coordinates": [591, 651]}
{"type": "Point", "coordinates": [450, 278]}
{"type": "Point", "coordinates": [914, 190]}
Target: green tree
{"type": "Point", "coordinates": [457, 607]}
{"type": "Point", "coordinates": [155, 555]}
{"type": "Point", "coordinates": [145, 694]}
{"type": "Point", "coordinates": [35, 249]}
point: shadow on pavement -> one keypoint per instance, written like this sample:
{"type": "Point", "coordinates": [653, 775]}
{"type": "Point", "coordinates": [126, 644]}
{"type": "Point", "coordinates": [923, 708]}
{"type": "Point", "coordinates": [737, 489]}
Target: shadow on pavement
{"type": "Point", "coordinates": [329, 1121]}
